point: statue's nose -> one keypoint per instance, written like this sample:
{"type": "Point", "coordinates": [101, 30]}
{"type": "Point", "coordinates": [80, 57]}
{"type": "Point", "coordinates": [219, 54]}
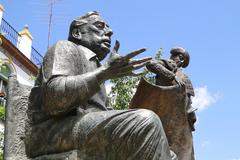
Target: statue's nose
{"type": "Point", "coordinates": [108, 32]}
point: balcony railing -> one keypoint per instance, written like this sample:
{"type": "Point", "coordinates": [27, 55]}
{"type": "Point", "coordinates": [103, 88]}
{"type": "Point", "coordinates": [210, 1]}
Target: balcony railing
{"type": "Point", "coordinates": [36, 57]}
{"type": "Point", "coordinates": [9, 32]}
{"type": "Point", "coordinates": [12, 35]}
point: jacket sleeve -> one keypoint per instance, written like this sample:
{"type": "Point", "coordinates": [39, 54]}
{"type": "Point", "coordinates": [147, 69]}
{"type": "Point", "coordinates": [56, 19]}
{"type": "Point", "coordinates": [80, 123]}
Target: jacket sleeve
{"type": "Point", "coordinates": [158, 67]}
{"type": "Point", "coordinates": [64, 88]}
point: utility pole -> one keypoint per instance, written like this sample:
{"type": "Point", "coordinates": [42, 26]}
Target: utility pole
{"type": "Point", "coordinates": [50, 21]}
{"type": "Point", "coordinates": [48, 16]}
{"type": "Point", "coordinates": [51, 3]}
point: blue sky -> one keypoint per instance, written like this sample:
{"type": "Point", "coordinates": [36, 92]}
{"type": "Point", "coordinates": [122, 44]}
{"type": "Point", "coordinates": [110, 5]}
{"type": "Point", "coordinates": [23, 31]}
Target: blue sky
{"type": "Point", "coordinates": [209, 30]}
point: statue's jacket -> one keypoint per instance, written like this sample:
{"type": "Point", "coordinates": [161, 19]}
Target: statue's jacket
{"type": "Point", "coordinates": [65, 84]}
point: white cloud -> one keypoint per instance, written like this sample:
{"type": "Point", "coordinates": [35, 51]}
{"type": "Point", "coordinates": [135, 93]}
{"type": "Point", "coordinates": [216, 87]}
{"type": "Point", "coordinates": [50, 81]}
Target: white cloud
{"type": "Point", "coordinates": [108, 87]}
{"type": "Point", "coordinates": [236, 159]}
{"type": "Point", "coordinates": [204, 99]}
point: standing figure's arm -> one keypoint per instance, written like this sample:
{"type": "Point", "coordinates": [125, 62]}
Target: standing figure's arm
{"type": "Point", "coordinates": [162, 68]}
{"type": "Point", "coordinates": [158, 67]}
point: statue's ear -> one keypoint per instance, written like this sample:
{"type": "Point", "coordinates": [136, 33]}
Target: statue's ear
{"type": "Point", "coordinates": [76, 34]}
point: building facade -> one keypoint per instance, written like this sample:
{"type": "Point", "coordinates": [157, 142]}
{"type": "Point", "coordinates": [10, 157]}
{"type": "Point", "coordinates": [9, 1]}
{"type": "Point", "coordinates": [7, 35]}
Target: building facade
{"type": "Point", "coordinates": [17, 56]}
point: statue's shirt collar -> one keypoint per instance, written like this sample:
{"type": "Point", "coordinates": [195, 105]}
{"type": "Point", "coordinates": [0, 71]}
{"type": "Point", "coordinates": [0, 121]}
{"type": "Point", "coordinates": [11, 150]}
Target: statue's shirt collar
{"type": "Point", "coordinates": [88, 53]}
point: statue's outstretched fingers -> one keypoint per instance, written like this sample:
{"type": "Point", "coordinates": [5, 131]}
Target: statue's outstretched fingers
{"type": "Point", "coordinates": [138, 66]}
{"type": "Point", "coordinates": [115, 49]}
{"type": "Point", "coordinates": [130, 67]}
{"type": "Point", "coordinates": [134, 53]}
{"type": "Point", "coordinates": [138, 61]}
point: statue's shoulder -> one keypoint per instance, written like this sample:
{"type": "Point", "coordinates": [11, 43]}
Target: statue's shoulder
{"type": "Point", "coordinates": [64, 44]}
{"type": "Point", "coordinates": [61, 48]}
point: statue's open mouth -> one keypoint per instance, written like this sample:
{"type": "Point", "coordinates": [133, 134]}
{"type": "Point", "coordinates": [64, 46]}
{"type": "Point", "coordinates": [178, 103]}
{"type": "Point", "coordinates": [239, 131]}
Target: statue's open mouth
{"type": "Point", "coordinates": [107, 43]}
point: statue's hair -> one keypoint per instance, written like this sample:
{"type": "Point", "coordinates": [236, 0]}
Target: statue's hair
{"type": "Point", "coordinates": [84, 19]}
{"type": "Point", "coordinates": [78, 21]}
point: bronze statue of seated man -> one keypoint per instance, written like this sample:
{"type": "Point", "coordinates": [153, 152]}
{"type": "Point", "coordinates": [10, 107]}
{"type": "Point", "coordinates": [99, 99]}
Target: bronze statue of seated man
{"type": "Point", "coordinates": [68, 102]}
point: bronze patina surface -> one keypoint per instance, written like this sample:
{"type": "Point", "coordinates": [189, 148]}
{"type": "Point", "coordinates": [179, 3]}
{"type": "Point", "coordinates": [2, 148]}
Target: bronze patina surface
{"type": "Point", "coordinates": [169, 103]}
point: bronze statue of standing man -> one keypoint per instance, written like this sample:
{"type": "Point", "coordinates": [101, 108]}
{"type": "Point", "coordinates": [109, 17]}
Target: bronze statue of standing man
{"type": "Point", "coordinates": [169, 72]}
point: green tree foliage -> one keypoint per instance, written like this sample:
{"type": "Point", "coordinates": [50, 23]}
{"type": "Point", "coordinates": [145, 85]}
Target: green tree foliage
{"type": "Point", "coordinates": [124, 88]}
{"type": "Point", "coordinates": [122, 91]}
{"type": "Point", "coordinates": [2, 112]}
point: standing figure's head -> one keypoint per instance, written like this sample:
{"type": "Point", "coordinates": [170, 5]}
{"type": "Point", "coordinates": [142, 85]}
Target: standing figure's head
{"type": "Point", "coordinates": [92, 32]}
{"type": "Point", "coordinates": [180, 56]}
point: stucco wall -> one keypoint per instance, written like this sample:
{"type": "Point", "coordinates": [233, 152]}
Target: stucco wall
{"type": "Point", "coordinates": [23, 74]}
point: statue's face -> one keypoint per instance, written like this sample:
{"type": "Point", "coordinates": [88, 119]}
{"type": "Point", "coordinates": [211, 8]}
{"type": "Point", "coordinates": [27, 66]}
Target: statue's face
{"type": "Point", "coordinates": [178, 58]}
{"type": "Point", "coordinates": [96, 35]}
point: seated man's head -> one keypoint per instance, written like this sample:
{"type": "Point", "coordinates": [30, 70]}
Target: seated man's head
{"type": "Point", "coordinates": [92, 32]}
{"type": "Point", "coordinates": [180, 56]}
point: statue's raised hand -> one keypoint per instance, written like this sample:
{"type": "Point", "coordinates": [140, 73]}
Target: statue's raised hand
{"type": "Point", "coordinates": [119, 66]}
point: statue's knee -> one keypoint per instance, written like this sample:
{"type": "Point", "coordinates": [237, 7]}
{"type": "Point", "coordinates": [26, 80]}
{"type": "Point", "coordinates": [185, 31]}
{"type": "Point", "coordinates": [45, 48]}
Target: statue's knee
{"type": "Point", "coordinates": [150, 117]}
